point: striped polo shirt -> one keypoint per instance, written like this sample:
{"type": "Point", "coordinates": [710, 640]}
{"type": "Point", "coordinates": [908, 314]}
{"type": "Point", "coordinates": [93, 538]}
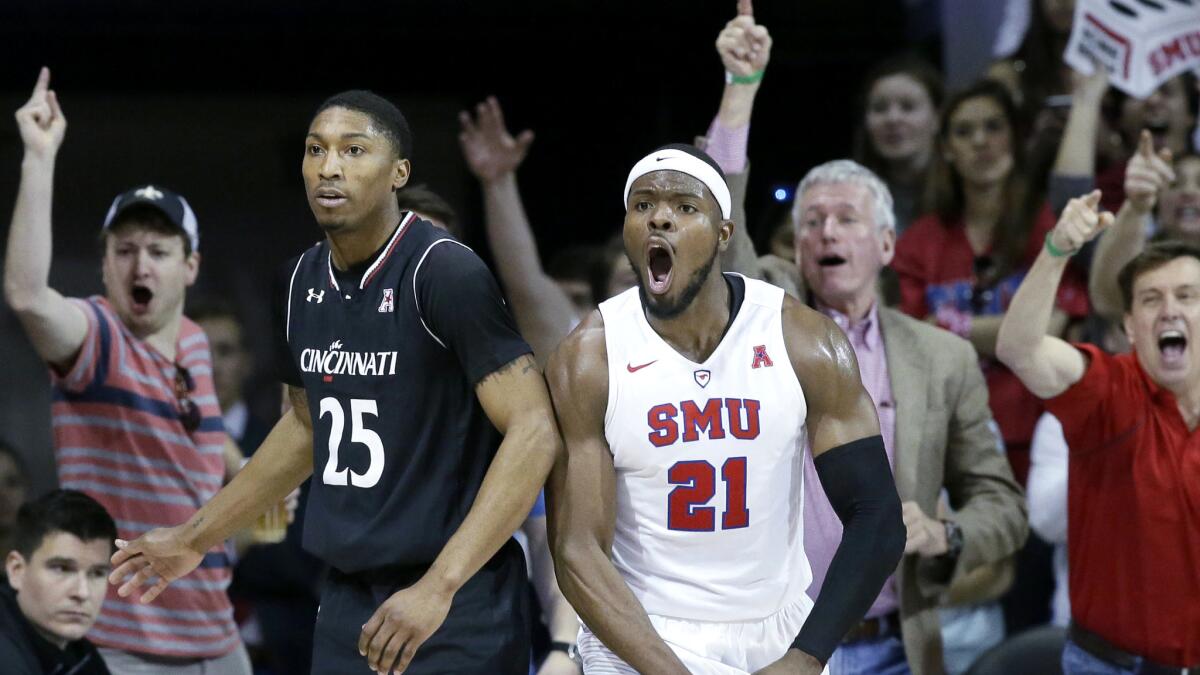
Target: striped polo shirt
{"type": "Point", "coordinates": [119, 438]}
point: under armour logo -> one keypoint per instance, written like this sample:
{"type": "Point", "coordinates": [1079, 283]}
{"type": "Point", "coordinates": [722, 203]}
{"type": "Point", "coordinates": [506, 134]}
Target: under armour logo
{"type": "Point", "coordinates": [149, 192]}
{"type": "Point", "coordinates": [313, 294]}
{"type": "Point", "coordinates": [389, 301]}
{"type": "Point", "coordinates": [337, 344]}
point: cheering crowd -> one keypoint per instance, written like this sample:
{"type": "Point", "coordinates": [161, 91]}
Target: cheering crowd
{"type": "Point", "coordinates": [988, 304]}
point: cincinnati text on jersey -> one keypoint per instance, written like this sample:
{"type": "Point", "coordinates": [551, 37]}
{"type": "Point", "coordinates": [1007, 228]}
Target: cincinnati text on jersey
{"type": "Point", "coordinates": [338, 362]}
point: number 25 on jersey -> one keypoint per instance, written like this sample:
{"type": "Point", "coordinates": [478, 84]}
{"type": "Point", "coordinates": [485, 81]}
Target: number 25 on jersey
{"type": "Point", "coordinates": [358, 434]}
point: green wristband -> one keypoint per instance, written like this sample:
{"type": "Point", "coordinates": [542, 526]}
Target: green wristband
{"type": "Point", "coordinates": [753, 78]}
{"type": "Point", "coordinates": [1054, 250]}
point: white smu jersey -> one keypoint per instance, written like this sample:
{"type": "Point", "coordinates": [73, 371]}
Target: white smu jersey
{"type": "Point", "coordinates": [708, 462]}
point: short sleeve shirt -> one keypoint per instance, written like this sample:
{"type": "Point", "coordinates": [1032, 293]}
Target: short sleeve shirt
{"type": "Point", "coordinates": [1133, 510]}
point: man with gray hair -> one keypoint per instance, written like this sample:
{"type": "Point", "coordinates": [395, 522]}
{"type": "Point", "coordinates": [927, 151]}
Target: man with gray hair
{"type": "Point", "coordinates": [938, 431]}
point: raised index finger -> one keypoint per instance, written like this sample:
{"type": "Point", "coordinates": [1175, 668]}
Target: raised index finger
{"type": "Point", "coordinates": [1145, 144]}
{"type": "Point", "coordinates": [745, 8]}
{"type": "Point", "coordinates": [43, 82]}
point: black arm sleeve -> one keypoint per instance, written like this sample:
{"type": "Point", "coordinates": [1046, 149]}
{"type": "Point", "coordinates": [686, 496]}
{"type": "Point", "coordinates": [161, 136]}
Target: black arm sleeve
{"type": "Point", "coordinates": [282, 362]}
{"type": "Point", "coordinates": [462, 307]}
{"type": "Point", "coordinates": [858, 481]}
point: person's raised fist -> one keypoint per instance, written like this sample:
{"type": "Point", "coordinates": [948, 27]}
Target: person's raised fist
{"type": "Point", "coordinates": [744, 46]}
{"type": "Point", "coordinates": [40, 120]}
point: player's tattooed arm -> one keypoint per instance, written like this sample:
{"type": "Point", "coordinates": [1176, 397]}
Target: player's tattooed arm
{"type": "Point", "coordinates": [298, 397]}
{"type": "Point", "coordinates": [515, 400]}
{"type": "Point", "coordinates": [523, 365]}
{"type": "Point", "coordinates": [581, 505]}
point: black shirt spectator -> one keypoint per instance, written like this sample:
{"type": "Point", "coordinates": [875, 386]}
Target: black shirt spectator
{"type": "Point", "coordinates": [23, 651]}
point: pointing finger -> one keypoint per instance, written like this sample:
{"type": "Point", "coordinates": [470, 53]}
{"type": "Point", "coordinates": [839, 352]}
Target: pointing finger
{"type": "Point", "coordinates": [745, 8]}
{"type": "Point", "coordinates": [1091, 200]}
{"type": "Point", "coordinates": [43, 83]}
{"type": "Point", "coordinates": [1145, 144]}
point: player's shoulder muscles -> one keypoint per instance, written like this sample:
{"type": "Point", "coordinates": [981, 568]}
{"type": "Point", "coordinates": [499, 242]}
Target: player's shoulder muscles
{"type": "Point", "coordinates": [839, 408]}
{"type": "Point", "coordinates": [821, 356]}
{"type": "Point", "coordinates": [577, 374]}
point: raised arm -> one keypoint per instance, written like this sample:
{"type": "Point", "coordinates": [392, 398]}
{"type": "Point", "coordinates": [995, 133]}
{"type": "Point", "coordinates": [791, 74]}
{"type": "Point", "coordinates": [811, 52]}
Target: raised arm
{"type": "Point", "coordinates": [55, 326]}
{"type": "Point", "coordinates": [745, 50]}
{"type": "Point", "coordinates": [1048, 365]}
{"type": "Point", "coordinates": [1146, 176]}
{"type": "Point", "coordinates": [1076, 156]}
{"type": "Point", "coordinates": [582, 506]}
{"type": "Point", "coordinates": [542, 309]}
{"type": "Point", "coordinates": [279, 465]}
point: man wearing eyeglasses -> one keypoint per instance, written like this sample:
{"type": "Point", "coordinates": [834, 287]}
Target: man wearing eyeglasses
{"type": "Point", "coordinates": [136, 420]}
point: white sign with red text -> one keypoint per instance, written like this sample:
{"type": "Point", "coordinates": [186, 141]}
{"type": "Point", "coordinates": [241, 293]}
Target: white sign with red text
{"type": "Point", "coordinates": [1142, 43]}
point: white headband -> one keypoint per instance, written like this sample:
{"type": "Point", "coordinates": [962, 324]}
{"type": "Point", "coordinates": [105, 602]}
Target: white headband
{"type": "Point", "coordinates": [683, 162]}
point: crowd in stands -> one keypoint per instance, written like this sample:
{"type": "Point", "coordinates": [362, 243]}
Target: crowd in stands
{"type": "Point", "coordinates": [917, 242]}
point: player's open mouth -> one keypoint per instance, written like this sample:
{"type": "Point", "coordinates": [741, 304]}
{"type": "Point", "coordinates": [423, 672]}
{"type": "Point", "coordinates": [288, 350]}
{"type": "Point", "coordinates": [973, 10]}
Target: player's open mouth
{"type": "Point", "coordinates": [831, 261]}
{"type": "Point", "coordinates": [659, 265]}
{"type": "Point", "coordinates": [1172, 347]}
{"type": "Point", "coordinates": [141, 297]}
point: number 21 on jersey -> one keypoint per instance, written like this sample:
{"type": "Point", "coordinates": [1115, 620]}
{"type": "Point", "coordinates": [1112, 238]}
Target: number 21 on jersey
{"type": "Point", "coordinates": [697, 484]}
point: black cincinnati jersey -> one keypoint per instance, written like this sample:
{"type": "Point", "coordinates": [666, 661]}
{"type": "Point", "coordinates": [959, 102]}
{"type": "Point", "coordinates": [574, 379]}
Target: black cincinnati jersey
{"type": "Point", "coordinates": [389, 354]}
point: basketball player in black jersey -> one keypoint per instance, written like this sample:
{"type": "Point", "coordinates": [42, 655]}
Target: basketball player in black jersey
{"type": "Point", "coordinates": [400, 358]}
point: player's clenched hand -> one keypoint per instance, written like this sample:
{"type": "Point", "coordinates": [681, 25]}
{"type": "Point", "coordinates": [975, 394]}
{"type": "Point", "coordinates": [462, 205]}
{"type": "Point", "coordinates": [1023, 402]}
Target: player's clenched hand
{"type": "Point", "coordinates": [491, 152]}
{"type": "Point", "coordinates": [744, 46]}
{"type": "Point", "coordinates": [156, 559]}
{"type": "Point", "coordinates": [794, 662]}
{"type": "Point", "coordinates": [1147, 174]}
{"type": "Point", "coordinates": [401, 625]}
{"type": "Point", "coordinates": [1079, 223]}
{"type": "Point", "coordinates": [40, 120]}
{"type": "Point", "coordinates": [926, 536]}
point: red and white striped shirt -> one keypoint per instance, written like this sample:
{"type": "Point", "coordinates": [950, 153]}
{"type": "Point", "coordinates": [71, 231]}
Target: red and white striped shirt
{"type": "Point", "coordinates": [119, 437]}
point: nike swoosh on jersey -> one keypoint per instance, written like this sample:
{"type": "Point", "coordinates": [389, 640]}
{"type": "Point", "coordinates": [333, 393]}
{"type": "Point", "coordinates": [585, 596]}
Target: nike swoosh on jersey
{"type": "Point", "coordinates": [633, 369]}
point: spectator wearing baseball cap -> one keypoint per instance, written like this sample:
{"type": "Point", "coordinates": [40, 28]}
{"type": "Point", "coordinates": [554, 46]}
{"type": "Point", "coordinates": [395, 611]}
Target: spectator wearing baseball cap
{"type": "Point", "coordinates": [135, 416]}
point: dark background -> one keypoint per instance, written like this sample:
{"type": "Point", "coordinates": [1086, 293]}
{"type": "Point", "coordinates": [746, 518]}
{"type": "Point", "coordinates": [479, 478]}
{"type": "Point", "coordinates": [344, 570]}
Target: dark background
{"type": "Point", "coordinates": [212, 99]}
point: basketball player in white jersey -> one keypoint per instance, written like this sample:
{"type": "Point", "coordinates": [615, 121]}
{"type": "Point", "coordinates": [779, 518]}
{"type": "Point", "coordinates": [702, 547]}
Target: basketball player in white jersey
{"type": "Point", "coordinates": [685, 405]}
